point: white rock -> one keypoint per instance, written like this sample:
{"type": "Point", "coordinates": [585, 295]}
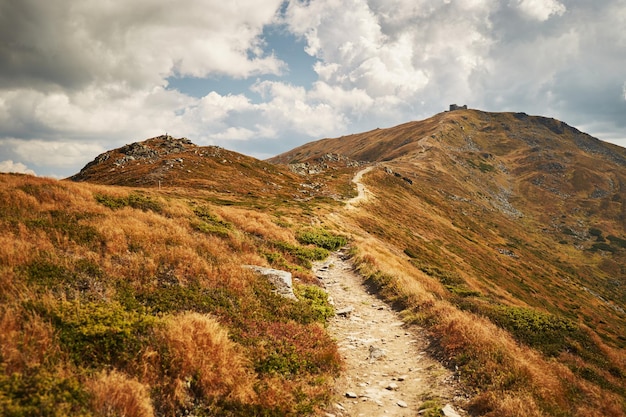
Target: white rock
{"type": "Point", "coordinates": [448, 411]}
{"type": "Point", "coordinates": [402, 404]}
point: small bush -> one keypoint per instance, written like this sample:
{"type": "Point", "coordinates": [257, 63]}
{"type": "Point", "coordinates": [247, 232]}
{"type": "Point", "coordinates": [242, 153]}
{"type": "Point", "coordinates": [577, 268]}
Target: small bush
{"type": "Point", "coordinates": [57, 222]}
{"type": "Point", "coordinates": [317, 300]}
{"type": "Point", "coordinates": [546, 332]}
{"type": "Point", "coordinates": [98, 334]}
{"type": "Point", "coordinates": [115, 394]}
{"type": "Point", "coordinates": [292, 349]}
{"type": "Point", "coordinates": [39, 392]}
{"type": "Point", "coordinates": [82, 277]}
{"type": "Point", "coordinates": [177, 298]}
{"type": "Point", "coordinates": [204, 359]}
{"type": "Point", "coordinates": [322, 238]}
{"type": "Point", "coordinates": [603, 247]}
{"type": "Point", "coordinates": [137, 201]}
{"type": "Point", "coordinates": [430, 408]}
{"type": "Point", "coordinates": [617, 241]}
{"type": "Point", "coordinates": [210, 223]}
{"type": "Point", "coordinates": [302, 253]}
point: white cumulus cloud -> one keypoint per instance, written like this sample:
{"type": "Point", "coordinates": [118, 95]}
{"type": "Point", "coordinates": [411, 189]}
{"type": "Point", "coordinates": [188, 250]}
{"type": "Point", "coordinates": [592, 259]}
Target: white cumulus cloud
{"type": "Point", "coordinates": [17, 167]}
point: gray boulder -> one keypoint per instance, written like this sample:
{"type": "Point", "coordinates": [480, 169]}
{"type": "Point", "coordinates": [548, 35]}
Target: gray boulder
{"type": "Point", "coordinates": [280, 280]}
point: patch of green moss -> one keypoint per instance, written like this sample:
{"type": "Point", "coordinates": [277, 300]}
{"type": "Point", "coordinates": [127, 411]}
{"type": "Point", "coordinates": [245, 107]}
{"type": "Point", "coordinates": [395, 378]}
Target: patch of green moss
{"type": "Point", "coordinates": [134, 200]}
{"type": "Point", "coordinates": [99, 334]}
{"type": "Point", "coordinates": [39, 392]}
{"type": "Point", "coordinates": [322, 238]}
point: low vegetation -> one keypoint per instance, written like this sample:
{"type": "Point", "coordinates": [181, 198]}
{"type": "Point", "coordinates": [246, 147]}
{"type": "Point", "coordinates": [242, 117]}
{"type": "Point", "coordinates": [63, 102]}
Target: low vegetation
{"type": "Point", "coordinates": [124, 302]}
{"type": "Point", "coordinates": [501, 235]}
{"type": "Point", "coordinates": [516, 346]}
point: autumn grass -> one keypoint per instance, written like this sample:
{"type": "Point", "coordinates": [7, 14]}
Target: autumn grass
{"type": "Point", "coordinates": [514, 358]}
{"type": "Point", "coordinates": [114, 393]}
{"type": "Point", "coordinates": [130, 302]}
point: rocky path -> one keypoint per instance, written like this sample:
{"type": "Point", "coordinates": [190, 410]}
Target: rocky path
{"type": "Point", "coordinates": [387, 369]}
{"type": "Point", "coordinates": [362, 191]}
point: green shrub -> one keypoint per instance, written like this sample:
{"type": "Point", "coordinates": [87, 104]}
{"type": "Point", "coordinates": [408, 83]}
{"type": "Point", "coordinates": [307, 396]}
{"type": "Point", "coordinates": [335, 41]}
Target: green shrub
{"type": "Point", "coordinates": [317, 300]}
{"type": "Point", "coordinates": [603, 247]}
{"type": "Point", "coordinates": [617, 241]}
{"type": "Point", "coordinates": [291, 349]}
{"type": "Point", "coordinates": [134, 200]}
{"type": "Point", "coordinates": [445, 277]}
{"type": "Point", "coordinates": [69, 281]}
{"type": "Point", "coordinates": [302, 253]}
{"type": "Point", "coordinates": [68, 224]}
{"type": "Point", "coordinates": [177, 298]}
{"type": "Point", "coordinates": [99, 334]}
{"type": "Point", "coordinates": [46, 274]}
{"type": "Point", "coordinates": [543, 331]}
{"type": "Point", "coordinates": [210, 223]}
{"type": "Point", "coordinates": [39, 392]}
{"type": "Point", "coordinates": [430, 408]}
{"type": "Point", "coordinates": [322, 238]}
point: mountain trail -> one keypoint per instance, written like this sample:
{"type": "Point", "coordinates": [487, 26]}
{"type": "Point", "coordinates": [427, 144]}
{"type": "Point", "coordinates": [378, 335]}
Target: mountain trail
{"type": "Point", "coordinates": [362, 191]}
{"type": "Point", "coordinates": [388, 371]}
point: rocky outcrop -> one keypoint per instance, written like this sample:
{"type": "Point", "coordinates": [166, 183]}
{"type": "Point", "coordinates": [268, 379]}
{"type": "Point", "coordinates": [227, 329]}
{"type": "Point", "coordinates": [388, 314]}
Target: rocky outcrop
{"type": "Point", "coordinates": [323, 163]}
{"type": "Point", "coordinates": [280, 280]}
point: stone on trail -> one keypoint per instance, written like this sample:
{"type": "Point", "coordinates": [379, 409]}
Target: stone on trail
{"type": "Point", "coordinates": [402, 404]}
{"type": "Point", "coordinates": [376, 353]}
{"type": "Point", "coordinates": [351, 394]}
{"type": "Point", "coordinates": [448, 411]}
{"type": "Point", "coordinates": [345, 312]}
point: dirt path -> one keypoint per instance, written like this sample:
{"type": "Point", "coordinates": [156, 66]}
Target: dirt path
{"type": "Point", "coordinates": [362, 191]}
{"type": "Point", "coordinates": [388, 371]}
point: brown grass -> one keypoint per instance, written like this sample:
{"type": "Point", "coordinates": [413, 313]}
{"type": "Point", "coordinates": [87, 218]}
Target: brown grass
{"type": "Point", "coordinates": [26, 341]}
{"type": "Point", "coordinates": [116, 394]}
{"type": "Point", "coordinates": [204, 357]}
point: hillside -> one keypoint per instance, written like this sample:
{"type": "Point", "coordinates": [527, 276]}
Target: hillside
{"type": "Point", "coordinates": [500, 236]}
{"type": "Point", "coordinates": [478, 219]}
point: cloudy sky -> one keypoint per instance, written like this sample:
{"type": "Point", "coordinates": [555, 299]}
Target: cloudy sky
{"type": "Point", "coordinates": [260, 77]}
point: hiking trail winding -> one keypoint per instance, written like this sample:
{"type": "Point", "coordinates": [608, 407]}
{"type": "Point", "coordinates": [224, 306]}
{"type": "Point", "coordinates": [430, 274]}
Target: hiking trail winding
{"type": "Point", "coordinates": [388, 371]}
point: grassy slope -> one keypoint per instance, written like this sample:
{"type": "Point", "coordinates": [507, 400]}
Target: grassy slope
{"type": "Point", "coordinates": [511, 255]}
{"type": "Point", "coordinates": [139, 297]}
{"type": "Point", "coordinates": [494, 231]}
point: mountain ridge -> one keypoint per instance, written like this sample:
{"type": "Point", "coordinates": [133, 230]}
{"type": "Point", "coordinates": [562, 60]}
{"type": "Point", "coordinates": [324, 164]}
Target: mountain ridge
{"type": "Point", "coordinates": [500, 236]}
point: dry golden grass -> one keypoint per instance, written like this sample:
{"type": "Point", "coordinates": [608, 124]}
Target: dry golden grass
{"type": "Point", "coordinates": [510, 379]}
{"type": "Point", "coordinates": [117, 274]}
{"type": "Point", "coordinates": [116, 394]}
{"type": "Point", "coordinates": [25, 340]}
{"type": "Point", "coordinates": [205, 358]}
